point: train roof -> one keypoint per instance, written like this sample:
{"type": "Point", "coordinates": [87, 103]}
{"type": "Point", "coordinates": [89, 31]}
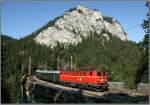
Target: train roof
{"type": "Point", "coordinates": [47, 71]}
{"type": "Point", "coordinates": [82, 70]}
{"type": "Point", "coordinates": [90, 68]}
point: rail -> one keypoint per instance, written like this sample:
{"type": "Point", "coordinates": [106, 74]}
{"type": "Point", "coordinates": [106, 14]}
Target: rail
{"type": "Point", "coordinates": [63, 94]}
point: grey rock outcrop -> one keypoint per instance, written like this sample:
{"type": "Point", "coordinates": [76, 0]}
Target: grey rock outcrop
{"type": "Point", "coordinates": [75, 24]}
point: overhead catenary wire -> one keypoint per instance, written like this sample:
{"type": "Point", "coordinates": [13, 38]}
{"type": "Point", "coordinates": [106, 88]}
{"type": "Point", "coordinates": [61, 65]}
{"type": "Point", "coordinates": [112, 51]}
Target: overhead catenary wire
{"type": "Point", "coordinates": [132, 27]}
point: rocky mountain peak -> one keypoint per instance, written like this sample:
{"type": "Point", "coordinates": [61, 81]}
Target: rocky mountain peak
{"type": "Point", "coordinates": [77, 22]}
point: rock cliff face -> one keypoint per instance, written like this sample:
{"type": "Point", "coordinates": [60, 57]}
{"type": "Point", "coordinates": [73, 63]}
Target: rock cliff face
{"type": "Point", "coordinates": [76, 23]}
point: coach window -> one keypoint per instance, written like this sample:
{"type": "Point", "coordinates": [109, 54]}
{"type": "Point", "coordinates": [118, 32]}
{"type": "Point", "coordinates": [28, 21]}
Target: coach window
{"type": "Point", "coordinates": [80, 73]}
{"type": "Point", "coordinates": [74, 73]}
{"type": "Point", "coordinates": [104, 74]}
{"type": "Point", "coordinates": [84, 73]}
{"type": "Point", "coordinates": [90, 73]}
{"type": "Point", "coordinates": [99, 73]}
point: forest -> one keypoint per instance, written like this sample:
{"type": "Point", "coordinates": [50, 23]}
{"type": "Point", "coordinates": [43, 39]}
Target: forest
{"type": "Point", "coordinates": [125, 61]}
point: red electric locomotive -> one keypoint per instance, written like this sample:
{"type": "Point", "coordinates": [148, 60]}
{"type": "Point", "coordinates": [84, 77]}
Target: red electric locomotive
{"type": "Point", "coordinates": [85, 77]}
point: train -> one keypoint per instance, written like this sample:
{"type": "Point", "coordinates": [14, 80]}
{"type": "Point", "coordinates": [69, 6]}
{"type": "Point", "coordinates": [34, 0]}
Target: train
{"type": "Point", "coordinates": [87, 77]}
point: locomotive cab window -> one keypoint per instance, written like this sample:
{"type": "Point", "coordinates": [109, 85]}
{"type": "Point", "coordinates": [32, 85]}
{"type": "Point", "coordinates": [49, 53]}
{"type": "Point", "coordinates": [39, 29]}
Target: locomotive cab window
{"type": "Point", "coordinates": [84, 73]}
{"type": "Point", "coordinates": [90, 73]}
{"type": "Point", "coordinates": [99, 74]}
{"type": "Point", "coordinates": [104, 74]}
{"type": "Point", "coordinates": [80, 73]}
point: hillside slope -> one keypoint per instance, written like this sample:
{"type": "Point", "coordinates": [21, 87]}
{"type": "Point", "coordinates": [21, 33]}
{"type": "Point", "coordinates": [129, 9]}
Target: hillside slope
{"type": "Point", "coordinates": [123, 60]}
{"type": "Point", "coordinates": [77, 23]}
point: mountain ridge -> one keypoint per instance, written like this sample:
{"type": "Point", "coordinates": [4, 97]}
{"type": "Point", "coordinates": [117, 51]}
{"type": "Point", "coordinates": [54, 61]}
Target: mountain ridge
{"type": "Point", "coordinates": [76, 23]}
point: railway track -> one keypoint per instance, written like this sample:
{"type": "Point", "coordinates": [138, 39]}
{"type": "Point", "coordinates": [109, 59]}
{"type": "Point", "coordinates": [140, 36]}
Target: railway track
{"type": "Point", "coordinates": [49, 84]}
{"type": "Point", "coordinates": [32, 81]}
{"type": "Point", "coordinates": [56, 91]}
{"type": "Point", "coordinates": [84, 92]}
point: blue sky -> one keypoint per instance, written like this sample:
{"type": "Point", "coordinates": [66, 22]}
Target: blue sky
{"type": "Point", "coordinates": [21, 18]}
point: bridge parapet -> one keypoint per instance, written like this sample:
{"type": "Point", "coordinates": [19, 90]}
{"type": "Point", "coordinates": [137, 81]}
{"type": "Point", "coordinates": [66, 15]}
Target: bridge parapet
{"type": "Point", "coordinates": [33, 88]}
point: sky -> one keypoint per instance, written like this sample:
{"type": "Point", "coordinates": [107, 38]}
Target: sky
{"type": "Point", "coordinates": [21, 18]}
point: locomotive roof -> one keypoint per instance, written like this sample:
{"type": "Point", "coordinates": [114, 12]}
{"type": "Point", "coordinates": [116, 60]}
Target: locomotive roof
{"type": "Point", "coordinates": [47, 71]}
{"type": "Point", "coordinates": [85, 68]}
{"type": "Point", "coordinates": [81, 70]}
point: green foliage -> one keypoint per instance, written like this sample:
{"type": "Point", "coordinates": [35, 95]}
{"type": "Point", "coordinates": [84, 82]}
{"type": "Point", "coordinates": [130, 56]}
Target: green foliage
{"type": "Point", "coordinates": [14, 54]}
{"type": "Point", "coordinates": [113, 56]}
{"type": "Point", "coordinates": [44, 27]}
{"type": "Point", "coordinates": [108, 19]}
{"type": "Point", "coordinates": [121, 60]}
{"type": "Point", "coordinates": [71, 9]}
{"type": "Point", "coordinates": [80, 11]}
{"type": "Point", "coordinates": [10, 69]}
{"type": "Point", "coordinates": [143, 71]}
{"type": "Point", "coordinates": [95, 10]}
{"type": "Point", "coordinates": [145, 25]}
